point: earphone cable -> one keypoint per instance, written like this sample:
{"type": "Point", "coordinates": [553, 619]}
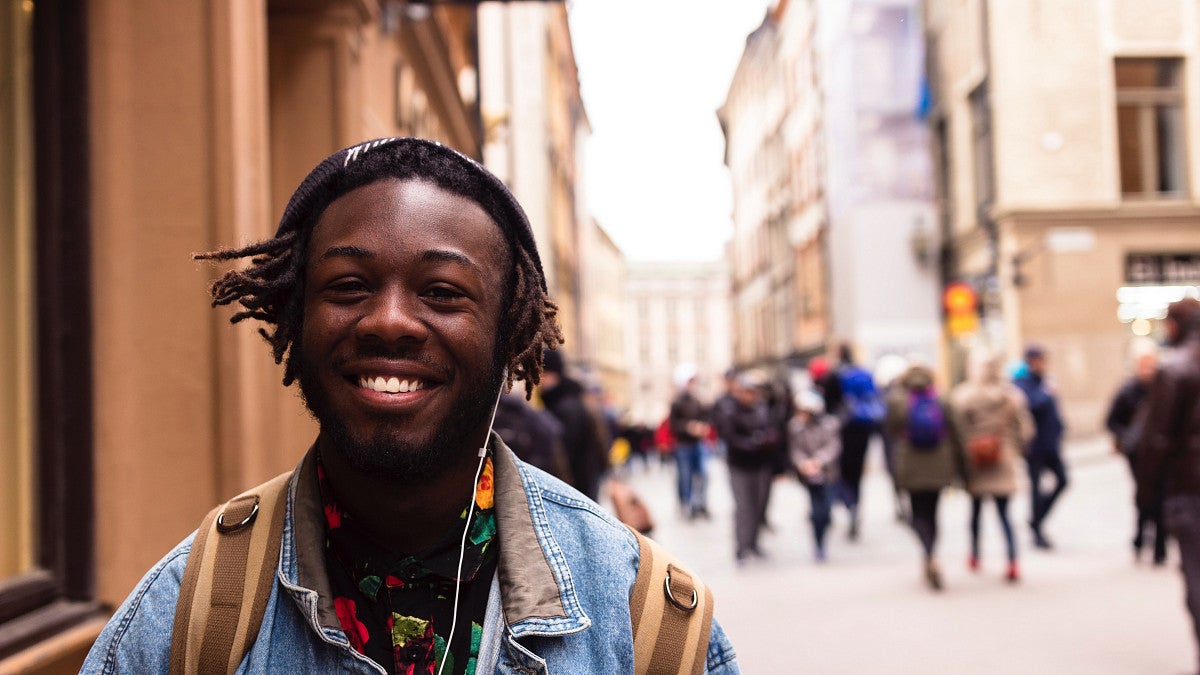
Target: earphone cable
{"type": "Point", "coordinates": [462, 549]}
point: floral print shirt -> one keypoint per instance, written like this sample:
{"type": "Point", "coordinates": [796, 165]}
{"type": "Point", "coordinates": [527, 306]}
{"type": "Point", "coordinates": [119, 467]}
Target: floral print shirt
{"type": "Point", "coordinates": [397, 610]}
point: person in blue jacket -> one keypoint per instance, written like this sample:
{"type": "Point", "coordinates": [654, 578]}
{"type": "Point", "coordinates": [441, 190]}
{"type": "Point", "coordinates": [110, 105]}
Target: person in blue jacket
{"type": "Point", "coordinates": [1045, 450]}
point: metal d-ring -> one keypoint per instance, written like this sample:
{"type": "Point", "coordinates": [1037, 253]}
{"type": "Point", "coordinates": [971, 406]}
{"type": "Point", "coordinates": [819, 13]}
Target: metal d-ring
{"type": "Point", "coordinates": [226, 529]}
{"type": "Point", "coordinates": [671, 596]}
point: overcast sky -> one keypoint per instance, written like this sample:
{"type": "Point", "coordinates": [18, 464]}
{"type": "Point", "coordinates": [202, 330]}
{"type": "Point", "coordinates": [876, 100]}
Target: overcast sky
{"type": "Point", "coordinates": [652, 74]}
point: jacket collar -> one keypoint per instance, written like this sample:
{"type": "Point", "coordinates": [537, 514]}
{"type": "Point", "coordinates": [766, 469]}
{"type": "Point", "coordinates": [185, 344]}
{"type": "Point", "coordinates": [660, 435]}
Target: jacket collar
{"type": "Point", "coordinates": [536, 591]}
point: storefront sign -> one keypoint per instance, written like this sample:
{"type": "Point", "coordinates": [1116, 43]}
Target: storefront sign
{"type": "Point", "coordinates": [1162, 269]}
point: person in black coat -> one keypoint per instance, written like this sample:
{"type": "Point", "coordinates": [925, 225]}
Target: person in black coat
{"type": "Point", "coordinates": [584, 440]}
{"type": "Point", "coordinates": [1124, 425]}
{"type": "Point", "coordinates": [533, 435]}
{"type": "Point", "coordinates": [751, 441]}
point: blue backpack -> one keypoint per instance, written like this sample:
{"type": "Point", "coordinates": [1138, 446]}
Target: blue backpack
{"type": "Point", "coordinates": [860, 398]}
{"type": "Point", "coordinates": [926, 425]}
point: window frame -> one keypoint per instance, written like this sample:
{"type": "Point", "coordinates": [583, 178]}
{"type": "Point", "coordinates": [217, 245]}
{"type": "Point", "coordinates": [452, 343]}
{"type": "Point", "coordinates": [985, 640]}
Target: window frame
{"type": "Point", "coordinates": [59, 592]}
{"type": "Point", "coordinates": [1146, 101]}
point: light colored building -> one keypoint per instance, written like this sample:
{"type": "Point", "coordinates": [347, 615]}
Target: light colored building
{"type": "Point", "coordinates": [677, 314]}
{"type": "Point", "coordinates": [535, 124]}
{"type": "Point", "coordinates": [833, 214]}
{"type": "Point", "coordinates": [1067, 140]}
{"type": "Point", "coordinates": [878, 178]}
{"type": "Point", "coordinates": [762, 262]}
{"type": "Point", "coordinates": [604, 322]}
{"type": "Point", "coordinates": [130, 407]}
{"type": "Point", "coordinates": [804, 144]}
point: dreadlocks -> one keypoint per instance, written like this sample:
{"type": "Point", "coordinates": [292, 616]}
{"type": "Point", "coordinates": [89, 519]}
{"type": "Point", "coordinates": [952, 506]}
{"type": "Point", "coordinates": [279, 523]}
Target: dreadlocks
{"type": "Point", "coordinates": [271, 288]}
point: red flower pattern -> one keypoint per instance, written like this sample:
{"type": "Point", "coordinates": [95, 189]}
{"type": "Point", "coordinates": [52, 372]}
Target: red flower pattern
{"type": "Point", "coordinates": [333, 517]}
{"type": "Point", "coordinates": [355, 630]}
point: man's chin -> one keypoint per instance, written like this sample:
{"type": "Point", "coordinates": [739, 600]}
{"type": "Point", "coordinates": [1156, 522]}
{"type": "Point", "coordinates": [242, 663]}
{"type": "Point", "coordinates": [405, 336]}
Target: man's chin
{"type": "Point", "coordinates": [387, 457]}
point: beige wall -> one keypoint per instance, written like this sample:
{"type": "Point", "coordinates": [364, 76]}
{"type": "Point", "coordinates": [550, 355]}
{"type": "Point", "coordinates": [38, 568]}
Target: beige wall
{"type": "Point", "coordinates": [1054, 99]}
{"type": "Point", "coordinates": [1068, 301]}
{"type": "Point", "coordinates": [187, 408]}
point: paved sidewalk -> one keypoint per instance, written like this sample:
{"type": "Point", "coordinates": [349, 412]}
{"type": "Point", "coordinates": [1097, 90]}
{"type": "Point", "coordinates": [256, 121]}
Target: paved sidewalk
{"type": "Point", "coordinates": [1083, 608]}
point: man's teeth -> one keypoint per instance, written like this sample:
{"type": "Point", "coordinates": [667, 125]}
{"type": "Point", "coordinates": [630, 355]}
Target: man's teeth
{"type": "Point", "coordinates": [391, 385]}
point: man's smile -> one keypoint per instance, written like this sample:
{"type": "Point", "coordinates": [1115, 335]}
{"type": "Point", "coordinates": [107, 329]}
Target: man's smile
{"type": "Point", "coordinates": [391, 385]}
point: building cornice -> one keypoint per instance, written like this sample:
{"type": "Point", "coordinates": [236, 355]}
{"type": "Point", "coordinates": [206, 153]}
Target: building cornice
{"type": "Point", "coordinates": [1132, 210]}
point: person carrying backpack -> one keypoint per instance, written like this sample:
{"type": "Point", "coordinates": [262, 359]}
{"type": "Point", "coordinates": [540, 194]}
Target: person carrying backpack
{"type": "Point", "coordinates": [861, 410]}
{"type": "Point", "coordinates": [926, 461]}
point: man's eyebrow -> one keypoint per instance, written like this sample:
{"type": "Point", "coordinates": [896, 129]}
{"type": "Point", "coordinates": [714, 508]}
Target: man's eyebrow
{"type": "Point", "coordinates": [441, 255]}
{"type": "Point", "coordinates": [346, 252]}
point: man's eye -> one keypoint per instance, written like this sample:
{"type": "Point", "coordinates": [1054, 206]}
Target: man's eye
{"type": "Point", "coordinates": [443, 293]}
{"type": "Point", "coordinates": [346, 287]}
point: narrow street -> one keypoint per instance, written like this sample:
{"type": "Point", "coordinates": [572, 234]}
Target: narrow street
{"type": "Point", "coordinates": [1083, 608]}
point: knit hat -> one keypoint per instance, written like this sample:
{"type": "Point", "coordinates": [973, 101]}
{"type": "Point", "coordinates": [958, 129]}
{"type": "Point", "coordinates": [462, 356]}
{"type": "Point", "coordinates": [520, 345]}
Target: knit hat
{"type": "Point", "coordinates": [552, 361]}
{"type": "Point", "coordinates": [406, 158]}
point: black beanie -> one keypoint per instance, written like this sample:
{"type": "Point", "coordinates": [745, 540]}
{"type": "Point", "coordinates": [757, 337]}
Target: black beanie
{"type": "Point", "coordinates": [552, 361]}
{"type": "Point", "coordinates": [366, 162]}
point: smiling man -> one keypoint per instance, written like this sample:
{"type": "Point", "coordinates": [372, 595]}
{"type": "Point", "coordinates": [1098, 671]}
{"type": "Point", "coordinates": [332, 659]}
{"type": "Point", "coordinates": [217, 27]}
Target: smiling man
{"type": "Point", "coordinates": [404, 293]}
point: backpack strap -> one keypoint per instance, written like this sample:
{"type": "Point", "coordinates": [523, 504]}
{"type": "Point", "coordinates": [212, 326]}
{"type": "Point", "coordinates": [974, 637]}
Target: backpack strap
{"type": "Point", "coordinates": [671, 610]}
{"type": "Point", "coordinates": [228, 578]}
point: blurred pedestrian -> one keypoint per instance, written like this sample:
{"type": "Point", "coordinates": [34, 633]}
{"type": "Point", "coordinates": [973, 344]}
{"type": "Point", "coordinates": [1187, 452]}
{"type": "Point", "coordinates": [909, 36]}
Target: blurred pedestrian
{"type": "Point", "coordinates": [856, 401]}
{"type": "Point", "coordinates": [1045, 451]}
{"type": "Point", "coordinates": [745, 426]}
{"type": "Point", "coordinates": [823, 380]}
{"type": "Point", "coordinates": [535, 436]}
{"type": "Point", "coordinates": [688, 419]}
{"type": "Point", "coordinates": [888, 371]}
{"type": "Point", "coordinates": [992, 427]}
{"type": "Point", "coordinates": [641, 441]}
{"type": "Point", "coordinates": [926, 458]}
{"type": "Point", "coordinates": [584, 439]}
{"type": "Point", "coordinates": [1123, 423]}
{"type": "Point", "coordinates": [814, 444]}
{"type": "Point", "coordinates": [1169, 448]}
{"type": "Point", "coordinates": [724, 401]}
{"type": "Point", "coordinates": [780, 406]}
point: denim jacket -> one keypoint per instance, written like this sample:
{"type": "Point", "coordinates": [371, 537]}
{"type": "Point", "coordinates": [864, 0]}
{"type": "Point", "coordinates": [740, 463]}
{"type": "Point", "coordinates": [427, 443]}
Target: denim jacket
{"type": "Point", "coordinates": [559, 602]}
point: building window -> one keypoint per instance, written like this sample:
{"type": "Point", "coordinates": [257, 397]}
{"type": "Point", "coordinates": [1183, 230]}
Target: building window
{"type": "Point", "coordinates": [46, 562]}
{"type": "Point", "coordinates": [1150, 127]}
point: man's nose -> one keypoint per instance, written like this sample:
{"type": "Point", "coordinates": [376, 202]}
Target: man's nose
{"type": "Point", "coordinates": [393, 316]}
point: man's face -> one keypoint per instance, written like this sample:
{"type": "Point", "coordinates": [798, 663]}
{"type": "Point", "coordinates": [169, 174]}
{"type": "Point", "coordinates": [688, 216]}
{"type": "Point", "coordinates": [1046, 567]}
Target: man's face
{"type": "Point", "coordinates": [746, 395]}
{"type": "Point", "coordinates": [1037, 365]}
{"type": "Point", "coordinates": [403, 292]}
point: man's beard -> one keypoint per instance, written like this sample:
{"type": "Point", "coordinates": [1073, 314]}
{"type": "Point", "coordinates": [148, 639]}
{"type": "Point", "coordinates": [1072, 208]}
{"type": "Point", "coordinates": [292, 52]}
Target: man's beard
{"type": "Point", "coordinates": [390, 455]}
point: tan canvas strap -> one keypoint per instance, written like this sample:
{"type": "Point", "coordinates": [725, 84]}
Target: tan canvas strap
{"type": "Point", "coordinates": [228, 579]}
{"type": "Point", "coordinates": [671, 612]}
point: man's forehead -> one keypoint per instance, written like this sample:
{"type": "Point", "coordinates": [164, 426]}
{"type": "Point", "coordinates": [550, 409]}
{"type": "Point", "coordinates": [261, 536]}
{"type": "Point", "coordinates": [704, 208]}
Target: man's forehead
{"type": "Point", "coordinates": [406, 195]}
{"type": "Point", "coordinates": [438, 219]}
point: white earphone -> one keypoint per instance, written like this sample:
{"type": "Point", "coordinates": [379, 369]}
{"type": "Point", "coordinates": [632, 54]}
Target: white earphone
{"type": "Point", "coordinates": [462, 549]}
